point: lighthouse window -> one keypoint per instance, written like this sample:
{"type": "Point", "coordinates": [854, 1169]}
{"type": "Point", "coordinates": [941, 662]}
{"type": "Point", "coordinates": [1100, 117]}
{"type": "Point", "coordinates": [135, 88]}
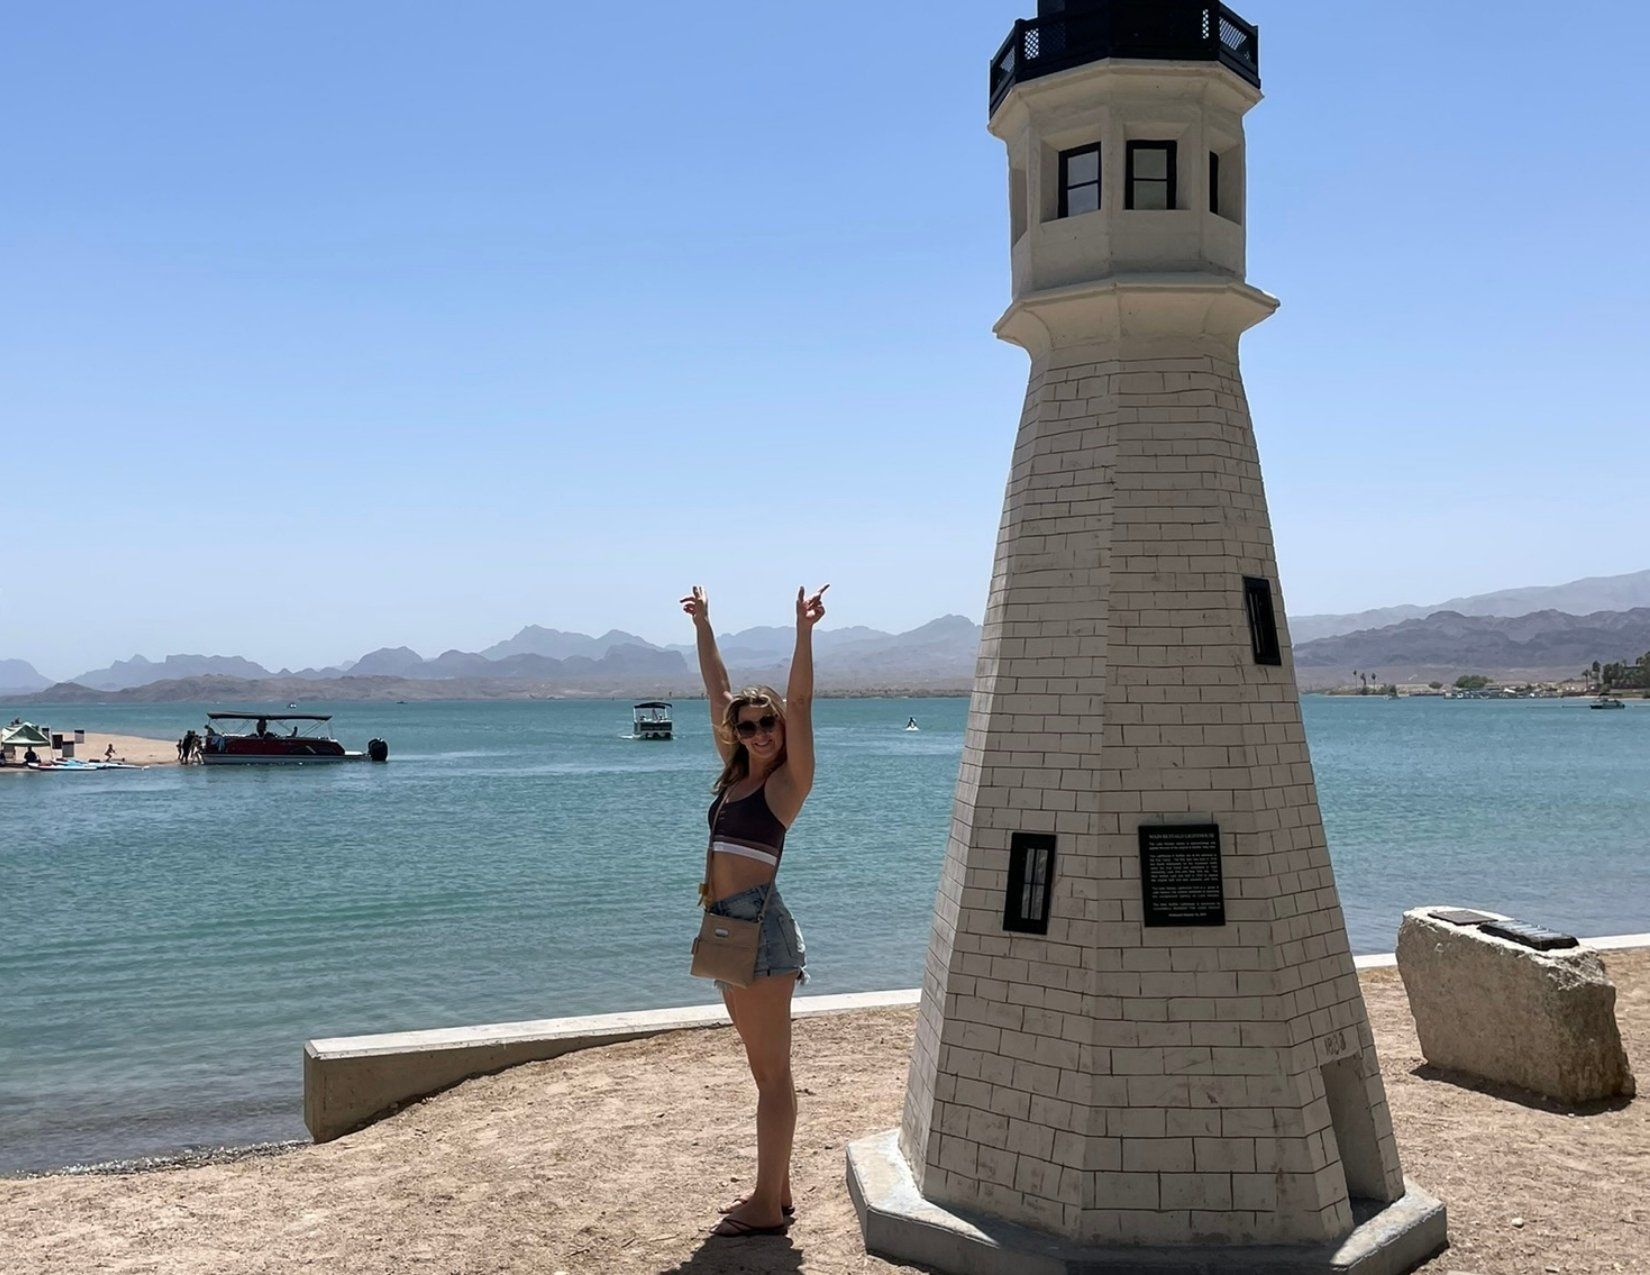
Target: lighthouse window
{"type": "Point", "coordinates": [1263, 621]}
{"type": "Point", "coordinates": [1080, 180]}
{"type": "Point", "coordinates": [1030, 876]}
{"type": "Point", "coordinates": [1150, 180]}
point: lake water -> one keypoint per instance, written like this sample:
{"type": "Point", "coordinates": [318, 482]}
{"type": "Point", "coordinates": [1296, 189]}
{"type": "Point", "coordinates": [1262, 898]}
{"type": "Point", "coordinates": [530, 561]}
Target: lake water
{"type": "Point", "coordinates": [169, 938]}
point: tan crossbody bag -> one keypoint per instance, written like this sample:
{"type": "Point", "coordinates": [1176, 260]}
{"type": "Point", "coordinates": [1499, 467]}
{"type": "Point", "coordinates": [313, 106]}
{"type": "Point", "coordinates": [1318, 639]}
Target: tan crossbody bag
{"type": "Point", "coordinates": [726, 947]}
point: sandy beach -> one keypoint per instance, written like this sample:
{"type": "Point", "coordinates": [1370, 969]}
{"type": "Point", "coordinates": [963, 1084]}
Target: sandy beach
{"type": "Point", "coordinates": [135, 749]}
{"type": "Point", "coordinates": [614, 1161]}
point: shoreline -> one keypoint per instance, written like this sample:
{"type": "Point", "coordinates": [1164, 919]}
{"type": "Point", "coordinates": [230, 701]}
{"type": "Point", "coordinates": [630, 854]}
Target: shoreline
{"type": "Point", "coordinates": [471, 695]}
{"type": "Point", "coordinates": [614, 1159]}
{"type": "Point", "coordinates": [138, 750]}
{"type": "Point", "coordinates": [165, 1162]}
{"type": "Point", "coordinates": [135, 698]}
{"type": "Point", "coordinates": [198, 1156]}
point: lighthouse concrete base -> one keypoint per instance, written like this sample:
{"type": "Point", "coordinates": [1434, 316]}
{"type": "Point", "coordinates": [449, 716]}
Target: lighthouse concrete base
{"type": "Point", "coordinates": [902, 1226]}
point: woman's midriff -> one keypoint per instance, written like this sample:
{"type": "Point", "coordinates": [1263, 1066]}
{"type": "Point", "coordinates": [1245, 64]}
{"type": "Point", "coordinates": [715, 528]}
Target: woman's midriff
{"type": "Point", "coordinates": [731, 873]}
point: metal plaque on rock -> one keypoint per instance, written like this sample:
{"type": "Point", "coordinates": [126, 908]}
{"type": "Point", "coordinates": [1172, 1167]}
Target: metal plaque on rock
{"type": "Point", "coordinates": [1180, 881]}
{"type": "Point", "coordinates": [1536, 936]}
{"type": "Point", "coordinates": [1461, 916]}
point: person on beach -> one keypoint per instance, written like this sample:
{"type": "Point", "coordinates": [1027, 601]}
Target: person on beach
{"type": "Point", "coordinates": [767, 749]}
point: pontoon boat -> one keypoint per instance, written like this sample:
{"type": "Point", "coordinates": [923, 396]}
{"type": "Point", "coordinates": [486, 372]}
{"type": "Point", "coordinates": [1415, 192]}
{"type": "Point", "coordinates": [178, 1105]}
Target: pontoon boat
{"type": "Point", "coordinates": [652, 720]}
{"type": "Point", "coordinates": [229, 742]}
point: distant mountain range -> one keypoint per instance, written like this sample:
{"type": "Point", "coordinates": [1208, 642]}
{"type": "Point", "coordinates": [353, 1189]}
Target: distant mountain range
{"type": "Point", "coordinates": [554, 644]}
{"type": "Point", "coordinates": [1548, 643]}
{"type": "Point", "coordinates": [1516, 630]}
{"type": "Point", "coordinates": [1578, 598]}
{"type": "Point", "coordinates": [18, 677]}
{"type": "Point", "coordinates": [538, 661]}
{"type": "Point", "coordinates": [137, 671]}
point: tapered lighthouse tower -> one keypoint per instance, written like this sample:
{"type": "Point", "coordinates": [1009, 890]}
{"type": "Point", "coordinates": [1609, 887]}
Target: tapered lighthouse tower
{"type": "Point", "coordinates": [1140, 1022]}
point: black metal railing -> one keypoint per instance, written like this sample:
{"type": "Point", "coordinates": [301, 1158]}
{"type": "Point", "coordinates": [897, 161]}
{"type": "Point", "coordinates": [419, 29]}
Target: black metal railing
{"type": "Point", "coordinates": [1171, 30]}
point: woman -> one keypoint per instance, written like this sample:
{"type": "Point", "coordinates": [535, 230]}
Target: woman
{"type": "Point", "coordinates": [767, 748]}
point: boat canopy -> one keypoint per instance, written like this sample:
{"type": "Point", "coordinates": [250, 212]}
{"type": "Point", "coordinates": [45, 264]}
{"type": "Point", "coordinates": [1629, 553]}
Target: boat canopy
{"type": "Point", "coordinates": [653, 703]}
{"type": "Point", "coordinates": [269, 717]}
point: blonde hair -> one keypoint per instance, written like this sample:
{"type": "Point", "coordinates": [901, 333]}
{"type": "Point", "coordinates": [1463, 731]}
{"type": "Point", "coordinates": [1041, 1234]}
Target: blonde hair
{"type": "Point", "coordinates": [739, 761]}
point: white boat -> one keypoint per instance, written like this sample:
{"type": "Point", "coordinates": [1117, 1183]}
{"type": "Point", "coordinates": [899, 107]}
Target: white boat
{"type": "Point", "coordinates": [1607, 701]}
{"type": "Point", "coordinates": [651, 720]}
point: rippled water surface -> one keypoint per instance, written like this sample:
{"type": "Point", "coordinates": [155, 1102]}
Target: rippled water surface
{"type": "Point", "coordinates": [169, 938]}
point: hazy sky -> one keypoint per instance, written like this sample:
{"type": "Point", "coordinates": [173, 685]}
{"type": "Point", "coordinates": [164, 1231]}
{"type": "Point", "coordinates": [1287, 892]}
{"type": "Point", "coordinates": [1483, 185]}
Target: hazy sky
{"type": "Point", "coordinates": [330, 326]}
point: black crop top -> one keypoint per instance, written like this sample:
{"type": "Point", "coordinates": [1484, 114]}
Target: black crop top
{"type": "Point", "coordinates": [747, 827]}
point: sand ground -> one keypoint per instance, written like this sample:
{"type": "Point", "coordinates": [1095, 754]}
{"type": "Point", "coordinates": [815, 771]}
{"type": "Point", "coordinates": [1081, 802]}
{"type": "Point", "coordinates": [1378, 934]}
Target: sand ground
{"type": "Point", "coordinates": [132, 748]}
{"type": "Point", "coordinates": [613, 1160]}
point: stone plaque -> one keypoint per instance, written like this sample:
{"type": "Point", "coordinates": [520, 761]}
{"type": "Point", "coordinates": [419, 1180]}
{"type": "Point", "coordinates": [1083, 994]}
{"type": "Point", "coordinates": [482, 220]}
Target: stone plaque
{"type": "Point", "coordinates": [1180, 882]}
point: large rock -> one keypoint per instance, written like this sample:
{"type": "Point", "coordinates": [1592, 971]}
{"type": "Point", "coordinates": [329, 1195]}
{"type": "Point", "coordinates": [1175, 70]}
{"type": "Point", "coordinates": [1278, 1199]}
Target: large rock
{"type": "Point", "coordinates": [1543, 1021]}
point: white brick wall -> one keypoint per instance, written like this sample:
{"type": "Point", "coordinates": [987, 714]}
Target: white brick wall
{"type": "Point", "coordinates": [1114, 1082]}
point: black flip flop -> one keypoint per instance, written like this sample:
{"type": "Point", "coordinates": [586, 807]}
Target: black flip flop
{"type": "Point", "coordinates": [789, 1210]}
{"type": "Point", "coordinates": [744, 1230]}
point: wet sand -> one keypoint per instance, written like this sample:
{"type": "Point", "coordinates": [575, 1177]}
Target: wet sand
{"type": "Point", "coordinates": [614, 1160]}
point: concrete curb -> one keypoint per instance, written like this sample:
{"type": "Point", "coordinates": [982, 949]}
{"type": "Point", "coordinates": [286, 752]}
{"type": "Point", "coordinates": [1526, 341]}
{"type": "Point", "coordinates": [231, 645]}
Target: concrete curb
{"type": "Point", "coordinates": [350, 1081]}
{"type": "Point", "coordinates": [1615, 942]}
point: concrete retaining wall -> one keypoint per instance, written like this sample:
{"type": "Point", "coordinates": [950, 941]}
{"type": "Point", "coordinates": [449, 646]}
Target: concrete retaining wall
{"type": "Point", "coordinates": [350, 1081]}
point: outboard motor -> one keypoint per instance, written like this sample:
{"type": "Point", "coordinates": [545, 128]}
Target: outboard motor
{"type": "Point", "coordinates": [377, 750]}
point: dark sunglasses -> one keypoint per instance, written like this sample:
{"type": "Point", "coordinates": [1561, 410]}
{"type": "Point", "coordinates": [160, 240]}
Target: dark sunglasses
{"type": "Point", "coordinates": [766, 722]}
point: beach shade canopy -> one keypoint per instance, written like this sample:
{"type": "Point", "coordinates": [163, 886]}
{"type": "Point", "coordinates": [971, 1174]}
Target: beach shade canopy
{"type": "Point", "coordinates": [23, 735]}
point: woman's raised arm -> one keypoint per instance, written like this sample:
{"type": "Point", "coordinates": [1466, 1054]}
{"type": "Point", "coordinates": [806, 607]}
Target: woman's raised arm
{"type": "Point", "coordinates": [717, 689]}
{"type": "Point", "coordinates": [795, 779]}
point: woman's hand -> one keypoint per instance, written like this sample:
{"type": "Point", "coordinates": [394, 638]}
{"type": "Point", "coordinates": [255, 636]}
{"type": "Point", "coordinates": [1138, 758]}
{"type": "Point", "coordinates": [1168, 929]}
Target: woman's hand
{"type": "Point", "coordinates": [810, 611]}
{"type": "Point", "coordinates": [697, 605]}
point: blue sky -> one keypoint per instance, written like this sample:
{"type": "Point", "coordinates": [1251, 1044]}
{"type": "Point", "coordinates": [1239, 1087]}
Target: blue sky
{"type": "Point", "coordinates": [328, 326]}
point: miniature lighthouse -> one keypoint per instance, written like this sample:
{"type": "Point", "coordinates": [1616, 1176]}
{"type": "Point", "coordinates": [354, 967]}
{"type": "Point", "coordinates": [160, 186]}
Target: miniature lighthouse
{"type": "Point", "coordinates": [1140, 1022]}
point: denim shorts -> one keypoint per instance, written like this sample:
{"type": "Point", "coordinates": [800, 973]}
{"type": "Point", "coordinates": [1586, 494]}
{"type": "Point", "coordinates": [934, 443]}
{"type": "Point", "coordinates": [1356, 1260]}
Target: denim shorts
{"type": "Point", "coordinates": [781, 950]}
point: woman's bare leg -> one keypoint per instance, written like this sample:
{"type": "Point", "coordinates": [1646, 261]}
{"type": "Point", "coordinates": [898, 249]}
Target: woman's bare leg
{"type": "Point", "coordinates": [733, 1017]}
{"type": "Point", "coordinates": [733, 1010]}
{"type": "Point", "coordinates": [762, 1013]}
